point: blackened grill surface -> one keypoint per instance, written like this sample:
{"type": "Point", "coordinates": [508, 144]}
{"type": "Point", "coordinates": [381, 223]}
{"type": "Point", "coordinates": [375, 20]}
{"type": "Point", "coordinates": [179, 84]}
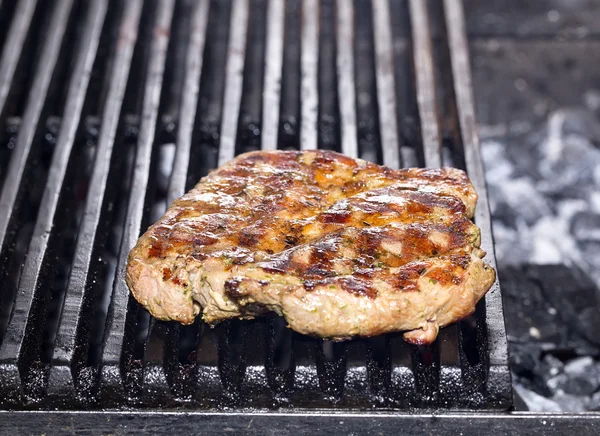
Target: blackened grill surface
{"type": "Point", "coordinates": [126, 104]}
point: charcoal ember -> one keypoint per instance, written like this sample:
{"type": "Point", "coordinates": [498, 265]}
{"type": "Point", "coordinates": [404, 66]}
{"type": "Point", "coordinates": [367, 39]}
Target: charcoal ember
{"type": "Point", "coordinates": [531, 320]}
{"type": "Point", "coordinates": [568, 160]}
{"type": "Point", "coordinates": [524, 359]}
{"type": "Point", "coordinates": [582, 123]}
{"type": "Point", "coordinates": [585, 226]}
{"type": "Point", "coordinates": [547, 375]}
{"type": "Point", "coordinates": [533, 383]}
{"type": "Point", "coordinates": [571, 403]}
{"type": "Point", "coordinates": [583, 376]}
{"type": "Point", "coordinates": [573, 294]}
{"type": "Point", "coordinates": [522, 199]}
{"type": "Point", "coordinates": [511, 247]}
{"type": "Point", "coordinates": [498, 167]}
{"type": "Point", "coordinates": [550, 365]}
{"type": "Point", "coordinates": [525, 363]}
{"type": "Point", "coordinates": [536, 402]}
{"type": "Point", "coordinates": [557, 383]}
{"type": "Point", "coordinates": [512, 197]}
{"type": "Point", "coordinates": [580, 377]}
{"type": "Point", "coordinates": [595, 402]}
{"type": "Point", "coordinates": [516, 155]}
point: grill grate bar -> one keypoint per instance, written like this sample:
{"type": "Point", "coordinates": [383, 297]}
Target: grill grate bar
{"type": "Point", "coordinates": [187, 116]}
{"type": "Point", "coordinates": [174, 334]}
{"type": "Point", "coordinates": [187, 110]}
{"type": "Point", "coordinates": [12, 192]}
{"type": "Point", "coordinates": [72, 339]}
{"type": "Point", "coordinates": [310, 68]}
{"type": "Point", "coordinates": [386, 97]}
{"type": "Point", "coordinates": [346, 82]}
{"type": "Point", "coordinates": [494, 317]}
{"type": "Point", "coordinates": [425, 82]}
{"type": "Point", "coordinates": [14, 46]}
{"type": "Point", "coordinates": [329, 117]}
{"type": "Point", "coordinates": [26, 324]}
{"type": "Point", "coordinates": [234, 78]}
{"type": "Point", "coordinates": [251, 104]}
{"type": "Point", "coordinates": [290, 107]}
{"type": "Point", "coordinates": [273, 71]}
{"type": "Point", "coordinates": [35, 105]}
{"type": "Point", "coordinates": [122, 309]}
{"type": "Point", "coordinates": [426, 359]}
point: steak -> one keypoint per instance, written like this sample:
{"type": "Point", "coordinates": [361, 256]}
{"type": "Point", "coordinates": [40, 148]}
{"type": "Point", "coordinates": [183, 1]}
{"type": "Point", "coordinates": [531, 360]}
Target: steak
{"type": "Point", "coordinates": [338, 246]}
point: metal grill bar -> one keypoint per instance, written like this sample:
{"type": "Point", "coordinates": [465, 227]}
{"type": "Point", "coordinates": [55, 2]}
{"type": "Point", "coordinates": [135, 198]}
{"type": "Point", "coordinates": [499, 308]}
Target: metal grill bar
{"type": "Point", "coordinates": [273, 70]}
{"type": "Point", "coordinates": [328, 117]}
{"type": "Point", "coordinates": [25, 328]}
{"type": "Point", "coordinates": [70, 352]}
{"type": "Point", "coordinates": [72, 339]}
{"type": "Point", "coordinates": [35, 104]}
{"type": "Point", "coordinates": [425, 81]}
{"type": "Point", "coordinates": [251, 105]}
{"type": "Point", "coordinates": [187, 110]}
{"type": "Point", "coordinates": [121, 310]}
{"type": "Point", "coordinates": [386, 97]}
{"type": "Point", "coordinates": [309, 66]}
{"type": "Point", "coordinates": [426, 359]}
{"type": "Point", "coordinates": [14, 46]}
{"type": "Point", "coordinates": [345, 71]}
{"type": "Point", "coordinates": [187, 116]}
{"type": "Point", "coordinates": [234, 78]}
{"type": "Point", "coordinates": [290, 105]}
{"type": "Point", "coordinates": [459, 49]}
{"type": "Point", "coordinates": [13, 190]}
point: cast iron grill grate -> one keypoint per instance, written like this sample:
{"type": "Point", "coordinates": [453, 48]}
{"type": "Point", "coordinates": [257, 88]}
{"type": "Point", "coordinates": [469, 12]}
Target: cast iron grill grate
{"type": "Point", "coordinates": [112, 109]}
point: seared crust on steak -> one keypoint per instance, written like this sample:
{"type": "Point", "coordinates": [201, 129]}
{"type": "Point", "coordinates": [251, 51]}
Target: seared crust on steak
{"type": "Point", "coordinates": [340, 247]}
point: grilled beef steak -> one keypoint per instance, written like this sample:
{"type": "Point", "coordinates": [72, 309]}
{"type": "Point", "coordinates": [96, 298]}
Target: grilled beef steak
{"type": "Point", "coordinates": [340, 247]}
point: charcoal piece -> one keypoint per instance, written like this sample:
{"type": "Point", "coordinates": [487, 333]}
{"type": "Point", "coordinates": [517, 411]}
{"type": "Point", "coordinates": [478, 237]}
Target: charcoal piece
{"type": "Point", "coordinates": [552, 307]}
{"type": "Point", "coordinates": [582, 123]}
{"type": "Point", "coordinates": [530, 319]}
{"type": "Point", "coordinates": [595, 402]}
{"type": "Point", "coordinates": [571, 403]}
{"type": "Point", "coordinates": [524, 358]}
{"type": "Point", "coordinates": [557, 383]}
{"type": "Point", "coordinates": [585, 226]}
{"type": "Point", "coordinates": [536, 402]}
{"type": "Point", "coordinates": [547, 375]}
{"type": "Point", "coordinates": [574, 296]}
{"type": "Point", "coordinates": [510, 245]}
{"type": "Point", "coordinates": [581, 365]}
{"type": "Point", "coordinates": [523, 199]}
{"type": "Point", "coordinates": [582, 377]}
{"type": "Point", "coordinates": [568, 162]}
{"type": "Point", "coordinates": [550, 365]}
{"type": "Point", "coordinates": [583, 382]}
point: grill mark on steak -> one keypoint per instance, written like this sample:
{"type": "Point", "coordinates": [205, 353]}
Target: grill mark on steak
{"type": "Point", "coordinates": [168, 275]}
{"type": "Point", "coordinates": [248, 238]}
{"type": "Point", "coordinates": [357, 286]}
{"type": "Point", "coordinates": [405, 280]}
{"type": "Point", "coordinates": [337, 217]}
{"type": "Point", "coordinates": [232, 287]}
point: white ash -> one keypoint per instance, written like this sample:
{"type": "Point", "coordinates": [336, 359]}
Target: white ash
{"type": "Point", "coordinates": [534, 205]}
{"type": "Point", "coordinates": [544, 188]}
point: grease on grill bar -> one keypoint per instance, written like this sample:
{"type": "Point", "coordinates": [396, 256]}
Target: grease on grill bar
{"type": "Point", "coordinates": [159, 93]}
